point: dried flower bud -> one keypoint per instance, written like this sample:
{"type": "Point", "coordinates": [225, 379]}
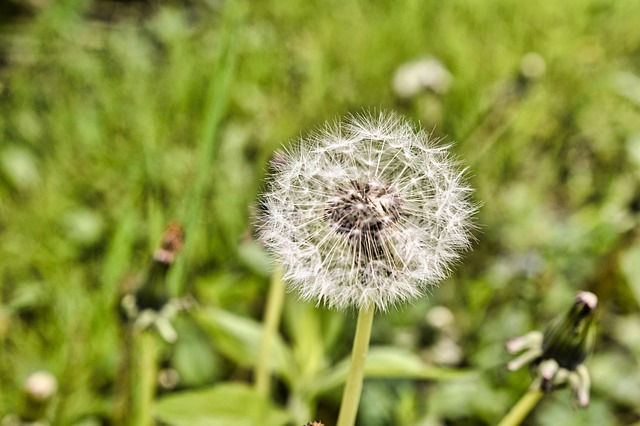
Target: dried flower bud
{"type": "Point", "coordinates": [148, 304]}
{"type": "Point", "coordinates": [172, 242]}
{"type": "Point", "coordinates": [153, 293]}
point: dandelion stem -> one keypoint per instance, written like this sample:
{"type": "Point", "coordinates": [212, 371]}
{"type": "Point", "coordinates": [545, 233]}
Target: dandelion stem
{"type": "Point", "coordinates": [353, 387]}
{"type": "Point", "coordinates": [522, 408]}
{"type": "Point", "coordinates": [272, 315]}
{"type": "Point", "coordinates": [148, 372]}
{"type": "Point", "coordinates": [124, 378]}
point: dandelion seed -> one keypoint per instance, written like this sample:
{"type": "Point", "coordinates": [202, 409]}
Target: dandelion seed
{"type": "Point", "coordinates": [367, 212]}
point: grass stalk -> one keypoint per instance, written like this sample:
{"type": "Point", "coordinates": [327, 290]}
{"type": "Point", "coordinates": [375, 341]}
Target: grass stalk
{"type": "Point", "coordinates": [273, 312]}
{"type": "Point", "coordinates": [215, 107]}
{"type": "Point", "coordinates": [522, 408]}
{"type": "Point", "coordinates": [353, 386]}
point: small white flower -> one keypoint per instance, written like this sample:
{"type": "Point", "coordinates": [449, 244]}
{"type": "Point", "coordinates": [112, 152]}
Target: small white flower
{"type": "Point", "coordinates": [368, 211]}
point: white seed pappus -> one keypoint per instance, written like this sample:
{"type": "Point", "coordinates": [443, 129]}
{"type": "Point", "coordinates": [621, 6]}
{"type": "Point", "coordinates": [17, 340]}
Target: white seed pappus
{"type": "Point", "coordinates": [366, 211]}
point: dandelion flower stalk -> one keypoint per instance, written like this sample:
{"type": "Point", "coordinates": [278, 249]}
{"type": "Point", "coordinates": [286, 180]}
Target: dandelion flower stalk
{"type": "Point", "coordinates": [366, 214]}
{"type": "Point", "coordinates": [353, 386]}
{"type": "Point", "coordinates": [147, 369]}
{"type": "Point", "coordinates": [522, 408]}
{"type": "Point", "coordinates": [273, 311]}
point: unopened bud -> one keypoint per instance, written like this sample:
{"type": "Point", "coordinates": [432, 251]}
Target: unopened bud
{"type": "Point", "coordinates": [557, 355]}
{"type": "Point", "coordinates": [570, 338]}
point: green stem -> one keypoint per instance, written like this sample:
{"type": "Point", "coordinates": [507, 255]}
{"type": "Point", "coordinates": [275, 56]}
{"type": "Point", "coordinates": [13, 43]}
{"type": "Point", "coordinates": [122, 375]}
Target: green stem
{"type": "Point", "coordinates": [300, 407]}
{"type": "Point", "coordinates": [273, 312]}
{"type": "Point", "coordinates": [147, 375]}
{"type": "Point", "coordinates": [353, 387]}
{"type": "Point", "coordinates": [124, 378]}
{"type": "Point", "coordinates": [523, 407]}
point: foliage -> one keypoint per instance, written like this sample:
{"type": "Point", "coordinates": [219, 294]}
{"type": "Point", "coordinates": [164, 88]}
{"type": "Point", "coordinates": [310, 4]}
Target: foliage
{"type": "Point", "coordinates": [120, 116]}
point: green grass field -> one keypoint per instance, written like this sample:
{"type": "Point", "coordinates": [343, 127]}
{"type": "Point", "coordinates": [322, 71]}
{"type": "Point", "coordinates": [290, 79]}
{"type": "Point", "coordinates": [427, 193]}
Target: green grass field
{"type": "Point", "coordinates": [119, 117]}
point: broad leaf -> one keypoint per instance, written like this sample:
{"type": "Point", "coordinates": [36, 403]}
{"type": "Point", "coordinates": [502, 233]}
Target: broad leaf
{"type": "Point", "coordinates": [388, 362]}
{"type": "Point", "coordinates": [630, 267]}
{"type": "Point", "coordinates": [222, 405]}
{"type": "Point", "coordinates": [239, 338]}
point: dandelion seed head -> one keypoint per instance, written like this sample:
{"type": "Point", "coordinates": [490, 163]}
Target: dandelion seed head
{"type": "Point", "coordinates": [367, 211]}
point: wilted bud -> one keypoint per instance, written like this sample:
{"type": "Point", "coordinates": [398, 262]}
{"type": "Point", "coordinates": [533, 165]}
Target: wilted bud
{"type": "Point", "coordinates": [148, 304]}
{"type": "Point", "coordinates": [557, 355]}
{"type": "Point", "coordinates": [172, 242]}
{"type": "Point", "coordinates": [153, 294]}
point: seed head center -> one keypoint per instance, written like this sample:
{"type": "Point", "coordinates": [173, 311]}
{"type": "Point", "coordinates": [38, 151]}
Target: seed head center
{"type": "Point", "coordinates": [363, 209]}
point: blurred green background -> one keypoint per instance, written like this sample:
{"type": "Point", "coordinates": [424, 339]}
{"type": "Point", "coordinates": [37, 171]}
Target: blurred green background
{"type": "Point", "coordinates": [117, 117]}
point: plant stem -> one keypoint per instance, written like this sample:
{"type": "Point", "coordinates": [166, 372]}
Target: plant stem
{"type": "Point", "coordinates": [273, 312]}
{"type": "Point", "coordinates": [147, 375]}
{"type": "Point", "coordinates": [300, 406]}
{"type": "Point", "coordinates": [353, 387]}
{"type": "Point", "coordinates": [522, 408]}
{"type": "Point", "coordinates": [124, 378]}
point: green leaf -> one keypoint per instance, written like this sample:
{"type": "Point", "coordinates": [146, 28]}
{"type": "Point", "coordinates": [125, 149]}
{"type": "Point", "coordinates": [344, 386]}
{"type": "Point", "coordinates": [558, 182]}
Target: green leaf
{"type": "Point", "coordinates": [239, 339]}
{"type": "Point", "coordinates": [302, 323]}
{"type": "Point", "coordinates": [389, 362]}
{"type": "Point", "coordinates": [255, 257]}
{"type": "Point", "coordinates": [193, 356]}
{"type": "Point", "coordinates": [630, 266]}
{"type": "Point", "coordinates": [222, 405]}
